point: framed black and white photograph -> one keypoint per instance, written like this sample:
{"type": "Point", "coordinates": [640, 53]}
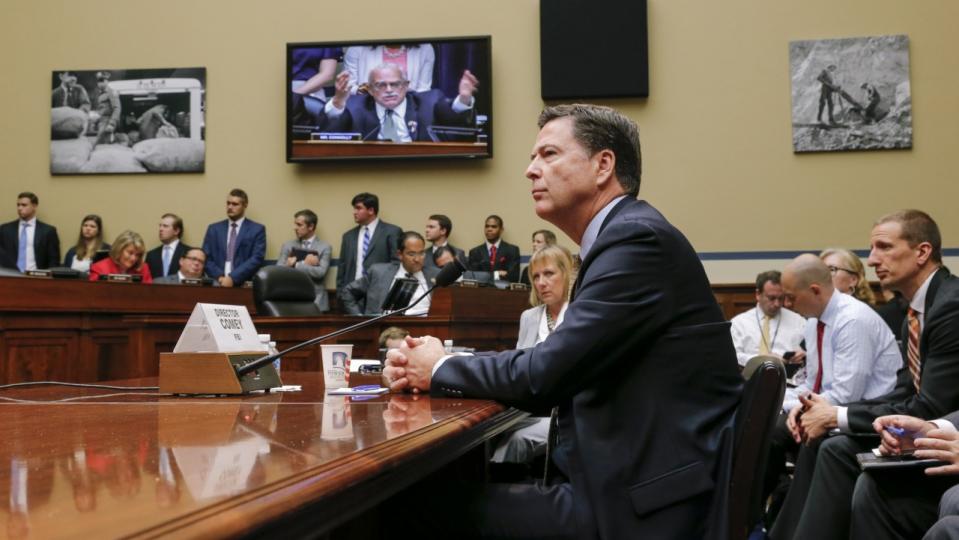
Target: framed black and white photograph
{"type": "Point", "coordinates": [851, 94]}
{"type": "Point", "coordinates": [128, 121]}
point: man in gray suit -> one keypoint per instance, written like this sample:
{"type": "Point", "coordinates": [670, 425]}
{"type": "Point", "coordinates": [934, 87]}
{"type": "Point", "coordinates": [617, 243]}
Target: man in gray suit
{"type": "Point", "coordinates": [371, 241]}
{"type": "Point", "coordinates": [308, 254]}
{"type": "Point", "coordinates": [191, 268]}
{"type": "Point", "coordinates": [365, 296]}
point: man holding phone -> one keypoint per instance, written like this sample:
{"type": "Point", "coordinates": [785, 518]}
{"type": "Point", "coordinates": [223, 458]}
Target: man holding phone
{"type": "Point", "coordinates": [768, 328]}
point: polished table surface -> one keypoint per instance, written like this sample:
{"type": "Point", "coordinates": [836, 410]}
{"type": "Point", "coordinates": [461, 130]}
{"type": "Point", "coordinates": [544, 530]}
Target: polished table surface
{"type": "Point", "coordinates": [109, 463]}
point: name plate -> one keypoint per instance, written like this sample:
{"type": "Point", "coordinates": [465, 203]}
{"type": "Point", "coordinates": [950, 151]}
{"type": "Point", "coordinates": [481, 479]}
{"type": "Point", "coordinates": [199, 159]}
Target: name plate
{"type": "Point", "coordinates": [218, 328]}
{"type": "Point", "coordinates": [46, 274]}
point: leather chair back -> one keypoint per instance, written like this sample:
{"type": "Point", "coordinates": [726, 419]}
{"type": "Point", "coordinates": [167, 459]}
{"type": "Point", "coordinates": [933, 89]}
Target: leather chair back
{"type": "Point", "coordinates": [281, 291]}
{"type": "Point", "coordinates": [755, 419]}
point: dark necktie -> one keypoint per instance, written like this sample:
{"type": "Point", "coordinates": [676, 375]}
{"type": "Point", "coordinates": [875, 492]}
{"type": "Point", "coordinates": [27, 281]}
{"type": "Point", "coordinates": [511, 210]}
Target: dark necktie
{"type": "Point", "coordinates": [231, 243]}
{"type": "Point", "coordinates": [820, 329]}
{"type": "Point", "coordinates": [912, 352]}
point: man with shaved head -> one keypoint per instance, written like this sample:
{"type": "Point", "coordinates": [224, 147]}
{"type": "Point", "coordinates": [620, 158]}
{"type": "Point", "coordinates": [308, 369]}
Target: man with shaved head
{"type": "Point", "coordinates": [852, 354]}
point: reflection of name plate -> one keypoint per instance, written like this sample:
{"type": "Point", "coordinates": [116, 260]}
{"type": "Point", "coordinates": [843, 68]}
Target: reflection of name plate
{"type": "Point", "coordinates": [217, 471]}
{"type": "Point", "coordinates": [326, 136]}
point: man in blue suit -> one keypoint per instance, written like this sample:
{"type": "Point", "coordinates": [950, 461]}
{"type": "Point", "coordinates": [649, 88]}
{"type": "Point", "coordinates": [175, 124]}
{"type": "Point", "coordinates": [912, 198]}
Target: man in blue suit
{"type": "Point", "coordinates": [390, 112]}
{"type": "Point", "coordinates": [642, 371]}
{"type": "Point", "coordinates": [236, 246]}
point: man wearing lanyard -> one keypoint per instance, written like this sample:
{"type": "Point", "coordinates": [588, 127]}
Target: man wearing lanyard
{"type": "Point", "coordinates": [768, 328]}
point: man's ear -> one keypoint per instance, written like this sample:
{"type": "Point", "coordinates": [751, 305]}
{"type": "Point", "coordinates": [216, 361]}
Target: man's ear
{"type": "Point", "coordinates": [605, 164]}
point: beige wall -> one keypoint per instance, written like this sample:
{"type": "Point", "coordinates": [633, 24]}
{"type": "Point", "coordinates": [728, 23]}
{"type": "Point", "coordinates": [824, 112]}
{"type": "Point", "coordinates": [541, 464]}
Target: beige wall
{"type": "Point", "coordinates": [715, 131]}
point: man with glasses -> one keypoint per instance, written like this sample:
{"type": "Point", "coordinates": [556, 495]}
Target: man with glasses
{"type": "Point", "coordinates": [365, 295]}
{"type": "Point", "coordinates": [393, 113]}
{"type": "Point", "coordinates": [191, 268]}
{"type": "Point", "coordinates": [768, 328]}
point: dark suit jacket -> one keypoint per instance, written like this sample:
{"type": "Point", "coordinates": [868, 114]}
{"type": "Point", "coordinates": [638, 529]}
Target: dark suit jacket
{"type": "Point", "coordinates": [155, 258]}
{"type": "Point", "coordinates": [645, 376]}
{"type": "Point", "coordinates": [939, 363]}
{"type": "Point", "coordinates": [423, 109]}
{"type": "Point", "coordinates": [365, 296]}
{"type": "Point", "coordinates": [428, 260]}
{"type": "Point", "coordinates": [249, 254]}
{"type": "Point", "coordinates": [46, 245]}
{"type": "Point", "coordinates": [507, 258]}
{"type": "Point", "coordinates": [382, 249]}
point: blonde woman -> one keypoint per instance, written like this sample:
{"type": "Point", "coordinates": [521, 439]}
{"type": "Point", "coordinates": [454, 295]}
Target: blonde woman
{"type": "Point", "coordinates": [551, 273]}
{"type": "Point", "coordinates": [848, 274]}
{"type": "Point", "coordinates": [126, 257]}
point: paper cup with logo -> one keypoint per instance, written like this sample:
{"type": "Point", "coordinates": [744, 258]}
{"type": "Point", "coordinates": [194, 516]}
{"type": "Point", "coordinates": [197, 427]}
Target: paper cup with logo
{"type": "Point", "coordinates": [336, 365]}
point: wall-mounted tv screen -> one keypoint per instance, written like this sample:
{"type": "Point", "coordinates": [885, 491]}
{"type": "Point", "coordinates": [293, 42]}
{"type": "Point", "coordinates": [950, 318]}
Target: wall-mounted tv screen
{"type": "Point", "coordinates": [398, 99]}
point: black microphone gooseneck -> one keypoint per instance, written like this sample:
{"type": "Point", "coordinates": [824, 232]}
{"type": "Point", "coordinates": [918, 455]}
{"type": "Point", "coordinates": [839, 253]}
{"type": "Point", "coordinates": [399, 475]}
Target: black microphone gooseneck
{"type": "Point", "coordinates": [449, 274]}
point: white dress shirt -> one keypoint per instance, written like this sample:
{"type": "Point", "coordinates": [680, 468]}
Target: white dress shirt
{"type": "Point", "coordinates": [359, 246]}
{"type": "Point", "coordinates": [918, 303]}
{"type": "Point", "coordinates": [423, 308]}
{"type": "Point", "coordinates": [785, 333]}
{"type": "Point", "coordinates": [859, 354]}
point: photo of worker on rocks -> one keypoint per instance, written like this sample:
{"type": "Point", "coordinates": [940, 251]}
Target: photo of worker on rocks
{"type": "Point", "coordinates": [851, 94]}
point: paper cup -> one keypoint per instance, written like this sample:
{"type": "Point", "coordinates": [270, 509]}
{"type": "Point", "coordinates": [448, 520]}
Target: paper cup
{"type": "Point", "coordinates": [336, 365]}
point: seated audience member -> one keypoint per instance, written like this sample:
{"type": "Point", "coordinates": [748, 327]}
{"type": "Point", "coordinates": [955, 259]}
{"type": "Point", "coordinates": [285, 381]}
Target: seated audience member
{"type": "Point", "coordinates": [365, 296]}
{"type": "Point", "coordinates": [392, 337]}
{"type": "Point", "coordinates": [28, 243]}
{"type": "Point", "coordinates": [417, 60]}
{"type": "Point", "coordinates": [768, 328]}
{"type": "Point", "coordinates": [312, 69]}
{"type": "Point", "coordinates": [541, 239]}
{"type": "Point", "coordinates": [390, 112]}
{"type": "Point", "coordinates": [371, 241]}
{"type": "Point", "coordinates": [905, 503]}
{"type": "Point", "coordinates": [90, 240]}
{"type": "Point", "coordinates": [190, 267]}
{"type": "Point", "coordinates": [164, 260]}
{"type": "Point", "coordinates": [852, 354]}
{"type": "Point", "coordinates": [126, 257]}
{"type": "Point", "coordinates": [848, 274]}
{"type": "Point", "coordinates": [236, 246]}
{"type": "Point", "coordinates": [907, 255]}
{"type": "Point", "coordinates": [438, 230]}
{"type": "Point", "coordinates": [308, 254]}
{"type": "Point", "coordinates": [551, 272]}
{"type": "Point", "coordinates": [496, 255]}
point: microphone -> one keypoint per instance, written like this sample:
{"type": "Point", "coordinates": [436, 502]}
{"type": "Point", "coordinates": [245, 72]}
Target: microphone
{"type": "Point", "coordinates": [372, 131]}
{"type": "Point", "coordinates": [448, 275]}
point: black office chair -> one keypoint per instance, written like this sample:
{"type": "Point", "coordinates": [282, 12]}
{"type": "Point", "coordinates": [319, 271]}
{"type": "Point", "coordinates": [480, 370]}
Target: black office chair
{"type": "Point", "coordinates": [281, 291]}
{"type": "Point", "coordinates": [755, 419]}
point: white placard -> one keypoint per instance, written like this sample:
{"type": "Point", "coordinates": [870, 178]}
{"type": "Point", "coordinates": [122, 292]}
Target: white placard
{"type": "Point", "coordinates": [218, 328]}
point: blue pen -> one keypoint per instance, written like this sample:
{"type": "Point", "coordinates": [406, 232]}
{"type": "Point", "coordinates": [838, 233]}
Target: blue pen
{"type": "Point", "coordinates": [897, 431]}
{"type": "Point", "coordinates": [366, 387]}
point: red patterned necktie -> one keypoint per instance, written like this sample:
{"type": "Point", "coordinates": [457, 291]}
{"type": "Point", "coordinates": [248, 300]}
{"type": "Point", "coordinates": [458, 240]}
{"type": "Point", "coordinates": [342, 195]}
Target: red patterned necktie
{"type": "Point", "coordinates": [912, 351]}
{"type": "Point", "coordinates": [820, 330]}
{"type": "Point", "coordinates": [492, 257]}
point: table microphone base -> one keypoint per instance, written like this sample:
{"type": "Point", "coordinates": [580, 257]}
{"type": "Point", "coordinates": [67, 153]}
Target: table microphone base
{"type": "Point", "coordinates": [213, 373]}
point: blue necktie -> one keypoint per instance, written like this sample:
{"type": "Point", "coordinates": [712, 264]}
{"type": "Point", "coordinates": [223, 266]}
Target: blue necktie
{"type": "Point", "coordinates": [22, 248]}
{"type": "Point", "coordinates": [166, 260]}
{"type": "Point", "coordinates": [366, 246]}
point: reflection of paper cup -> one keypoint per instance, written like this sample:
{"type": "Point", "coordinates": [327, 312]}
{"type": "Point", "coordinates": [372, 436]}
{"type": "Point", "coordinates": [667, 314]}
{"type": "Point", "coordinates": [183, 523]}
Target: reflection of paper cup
{"type": "Point", "coordinates": [336, 365]}
{"type": "Point", "coordinates": [337, 418]}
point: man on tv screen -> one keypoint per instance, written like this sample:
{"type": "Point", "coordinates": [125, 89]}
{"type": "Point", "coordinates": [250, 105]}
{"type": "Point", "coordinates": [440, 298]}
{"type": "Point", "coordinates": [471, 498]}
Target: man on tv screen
{"type": "Point", "coordinates": [390, 112]}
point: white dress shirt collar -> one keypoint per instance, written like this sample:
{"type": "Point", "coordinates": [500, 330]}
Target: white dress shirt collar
{"type": "Point", "coordinates": [592, 230]}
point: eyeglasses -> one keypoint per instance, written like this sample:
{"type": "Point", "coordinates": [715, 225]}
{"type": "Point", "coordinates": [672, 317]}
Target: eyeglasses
{"type": "Point", "coordinates": [195, 259]}
{"type": "Point", "coordinates": [834, 269]}
{"type": "Point", "coordinates": [392, 85]}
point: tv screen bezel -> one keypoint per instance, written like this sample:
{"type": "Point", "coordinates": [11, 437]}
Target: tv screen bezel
{"type": "Point", "coordinates": [485, 84]}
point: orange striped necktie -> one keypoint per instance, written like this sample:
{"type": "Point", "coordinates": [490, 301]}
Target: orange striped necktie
{"type": "Point", "coordinates": [912, 351]}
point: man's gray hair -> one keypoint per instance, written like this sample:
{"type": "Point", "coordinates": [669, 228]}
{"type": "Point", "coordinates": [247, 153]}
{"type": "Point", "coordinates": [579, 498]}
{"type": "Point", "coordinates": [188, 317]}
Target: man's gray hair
{"type": "Point", "coordinates": [599, 128]}
{"type": "Point", "coordinates": [390, 66]}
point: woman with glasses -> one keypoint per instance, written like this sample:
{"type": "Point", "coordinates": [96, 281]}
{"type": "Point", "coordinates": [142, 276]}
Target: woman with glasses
{"type": "Point", "coordinates": [848, 274]}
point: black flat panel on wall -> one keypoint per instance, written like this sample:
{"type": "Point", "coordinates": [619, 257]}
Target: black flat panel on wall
{"type": "Point", "coordinates": [580, 58]}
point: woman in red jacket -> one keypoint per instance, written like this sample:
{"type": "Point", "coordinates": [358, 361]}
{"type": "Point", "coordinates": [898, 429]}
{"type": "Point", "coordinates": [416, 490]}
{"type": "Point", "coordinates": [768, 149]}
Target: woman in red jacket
{"type": "Point", "coordinates": [126, 257]}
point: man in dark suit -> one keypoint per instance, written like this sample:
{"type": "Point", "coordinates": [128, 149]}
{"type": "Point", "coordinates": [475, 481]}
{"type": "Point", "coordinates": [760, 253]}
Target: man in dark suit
{"type": "Point", "coordinates": [496, 255]}
{"type": "Point", "coordinates": [390, 112]}
{"type": "Point", "coordinates": [190, 266]}
{"type": "Point", "coordinates": [642, 370]}
{"type": "Point", "coordinates": [371, 241]}
{"type": "Point", "coordinates": [365, 296]}
{"type": "Point", "coordinates": [236, 246]}
{"type": "Point", "coordinates": [438, 229]}
{"type": "Point", "coordinates": [907, 255]}
{"type": "Point", "coordinates": [164, 260]}
{"type": "Point", "coordinates": [28, 243]}
{"type": "Point", "coordinates": [70, 94]}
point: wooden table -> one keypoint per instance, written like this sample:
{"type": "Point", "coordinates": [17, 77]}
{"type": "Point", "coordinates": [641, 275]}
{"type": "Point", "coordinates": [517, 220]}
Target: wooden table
{"type": "Point", "coordinates": [278, 465]}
